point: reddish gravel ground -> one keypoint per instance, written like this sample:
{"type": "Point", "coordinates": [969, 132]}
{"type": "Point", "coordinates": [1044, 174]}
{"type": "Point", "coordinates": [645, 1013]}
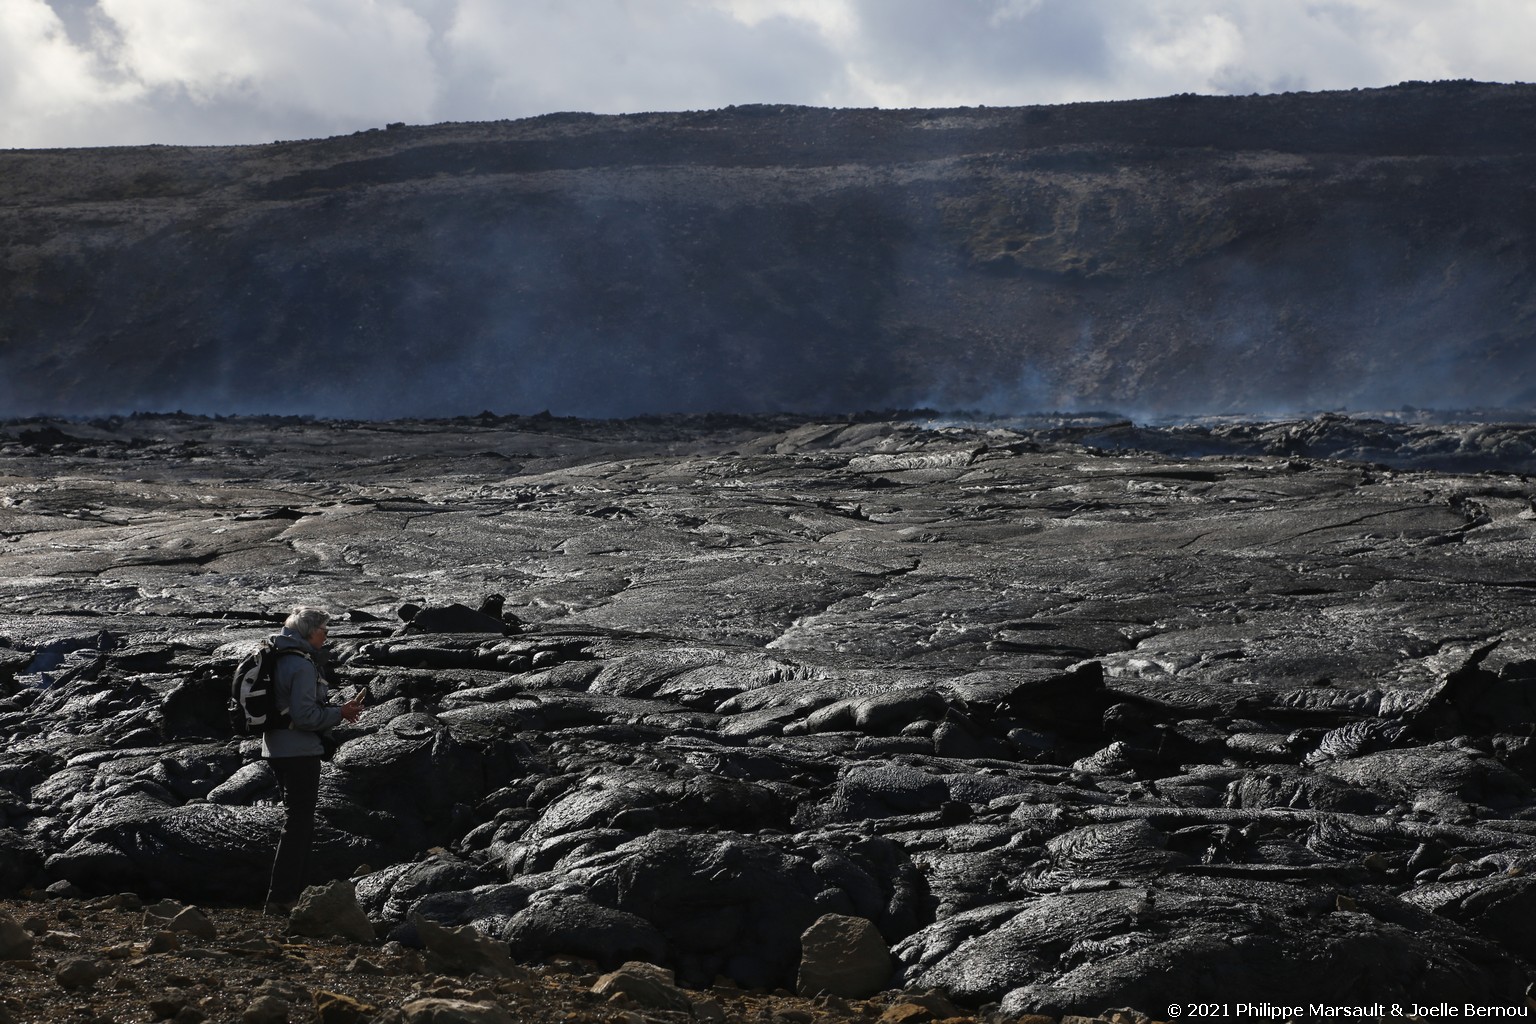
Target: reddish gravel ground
{"type": "Point", "coordinates": [105, 961]}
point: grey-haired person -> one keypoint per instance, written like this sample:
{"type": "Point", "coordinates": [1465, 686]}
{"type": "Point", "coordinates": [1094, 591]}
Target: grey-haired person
{"type": "Point", "coordinates": [295, 752]}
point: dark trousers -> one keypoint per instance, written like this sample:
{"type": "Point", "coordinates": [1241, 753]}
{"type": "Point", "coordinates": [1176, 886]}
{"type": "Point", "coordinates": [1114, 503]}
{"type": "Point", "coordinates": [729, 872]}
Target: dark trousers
{"type": "Point", "coordinates": [299, 780]}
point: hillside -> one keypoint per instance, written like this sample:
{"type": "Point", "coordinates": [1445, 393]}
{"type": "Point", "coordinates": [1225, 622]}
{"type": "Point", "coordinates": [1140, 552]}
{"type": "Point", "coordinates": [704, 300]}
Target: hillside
{"type": "Point", "coordinates": [1188, 254]}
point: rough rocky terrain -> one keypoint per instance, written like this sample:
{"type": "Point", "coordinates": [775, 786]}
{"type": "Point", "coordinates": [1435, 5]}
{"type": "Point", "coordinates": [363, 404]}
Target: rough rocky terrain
{"type": "Point", "coordinates": [1079, 714]}
{"type": "Point", "coordinates": [1191, 254]}
{"type": "Point", "coordinates": [116, 960]}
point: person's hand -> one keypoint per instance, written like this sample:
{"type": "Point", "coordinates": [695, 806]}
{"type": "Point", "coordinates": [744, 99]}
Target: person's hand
{"type": "Point", "coordinates": [352, 710]}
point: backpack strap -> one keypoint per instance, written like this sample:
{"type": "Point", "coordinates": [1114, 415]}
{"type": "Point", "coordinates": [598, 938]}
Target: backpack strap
{"type": "Point", "coordinates": [279, 652]}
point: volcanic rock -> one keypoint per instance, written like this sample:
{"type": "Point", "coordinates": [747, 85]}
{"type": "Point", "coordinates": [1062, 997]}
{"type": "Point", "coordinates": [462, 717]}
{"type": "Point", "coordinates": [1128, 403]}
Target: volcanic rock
{"type": "Point", "coordinates": [335, 1008]}
{"type": "Point", "coordinates": [1071, 723]}
{"type": "Point", "coordinates": [453, 1011]}
{"type": "Point", "coordinates": [842, 956]}
{"type": "Point", "coordinates": [571, 923]}
{"type": "Point", "coordinates": [15, 941]}
{"type": "Point", "coordinates": [646, 985]}
{"type": "Point", "coordinates": [331, 910]}
{"type": "Point", "coordinates": [172, 916]}
{"type": "Point", "coordinates": [454, 618]}
{"type": "Point", "coordinates": [82, 973]}
{"type": "Point", "coordinates": [464, 950]}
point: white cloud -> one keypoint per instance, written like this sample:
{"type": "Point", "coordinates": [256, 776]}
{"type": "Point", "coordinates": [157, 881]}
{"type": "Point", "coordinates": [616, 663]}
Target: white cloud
{"type": "Point", "coordinates": [1047, 51]}
{"type": "Point", "coordinates": [1199, 46]}
{"type": "Point", "coordinates": [1493, 40]}
{"type": "Point", "coordinates": [350, 58]}
{"type": "Point", "coordinates": [835, 19]}
{"type": "Point", "coordinates": [46, 82]}
{"type": "Point", "coordinates": [611, 56]}
{"type": "Point", "coordinates": [113, 71]}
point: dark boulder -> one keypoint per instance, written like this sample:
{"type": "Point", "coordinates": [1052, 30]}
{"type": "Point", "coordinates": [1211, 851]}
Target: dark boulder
{"type": "Point", "coordinates": [725, 904]}
{"type": "Point", "coordinates": [454, 618]}
{"type": "Point", "coordinates": [410, 784]}
{"type": "Point", "coordinates": [1477, 700]}
{"type": "Point", "coordinates": [197, 851]}
{"type": "Point", "coordinates": [1179, 940]}
{"type": "Point", "coordinates": [1071, 703]}
{"type": "Point", "coordinates": [639, 801]}
{"type": "Point", "coordinates": [883, 790]}
{"type": "Point", "coordinates": [391, 894]}
{"type": "Point", "coordinates": [556, 922]}
{"type": "Point", "coordinates": [21, 862]}
{"type": "Point", "coordinates": [1498, 908]}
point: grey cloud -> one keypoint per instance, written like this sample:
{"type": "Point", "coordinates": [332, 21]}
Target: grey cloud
{"type": "Point", "coordinates": [175, 118]}
{"type": "Point", "coordinates": [1030, 51]}
{"type": "Point", "coordinates": [987, 39]}
{"type": "Point", "coordinates": [604, 56]}
{"type": "Point", "coordinates": [611, 56]}
{"type": "Point", "coordinates": [615, 57]}
{"type": "Point", "coordinates": [82, 21]}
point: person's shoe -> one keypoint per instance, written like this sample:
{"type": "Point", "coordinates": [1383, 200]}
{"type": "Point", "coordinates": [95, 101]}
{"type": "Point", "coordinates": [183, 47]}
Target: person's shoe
{"type": "Point", "coordinates": [279, 908]}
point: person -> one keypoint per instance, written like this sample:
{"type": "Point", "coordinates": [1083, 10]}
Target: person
{"type": "Point", "coordinates": [295, 753]}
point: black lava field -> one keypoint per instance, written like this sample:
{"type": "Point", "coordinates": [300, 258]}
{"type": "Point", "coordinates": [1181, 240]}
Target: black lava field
{"type": "Point", "coordinates": [1081, 714]}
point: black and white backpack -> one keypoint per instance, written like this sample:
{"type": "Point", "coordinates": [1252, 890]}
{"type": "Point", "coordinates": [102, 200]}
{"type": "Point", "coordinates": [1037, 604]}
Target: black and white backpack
{"type": "Point", "coordinates": [253, 706]}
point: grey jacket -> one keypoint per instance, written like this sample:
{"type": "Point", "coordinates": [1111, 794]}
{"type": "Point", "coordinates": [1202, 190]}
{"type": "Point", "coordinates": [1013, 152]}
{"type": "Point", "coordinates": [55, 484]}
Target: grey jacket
{"type": "Point", "coordinates": [302, 693]}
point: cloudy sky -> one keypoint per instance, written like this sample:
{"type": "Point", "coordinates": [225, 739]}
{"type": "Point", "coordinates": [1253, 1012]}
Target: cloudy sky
{"type": "Point", "coordinates": [106, 72]}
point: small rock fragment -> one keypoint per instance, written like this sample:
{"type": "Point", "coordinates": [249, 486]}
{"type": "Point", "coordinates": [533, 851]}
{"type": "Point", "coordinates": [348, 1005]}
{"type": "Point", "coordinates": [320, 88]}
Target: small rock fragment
{"type": "Point", "coordinates": [915, 1007]}
{"type": "Point", "coordinates": [465, 951]}
{"type": "Point", "coordinates": [81, 973]}
{"type": "Point", "coordinates": [647, 985]}
{"type": "Point", "coordinates": [59, 940]}
{"type": "Point", "coordinates": [359, 965]}
{"type": "Point", "coordinates": [194, 922]}
{"type": "Point", "coordinates": [843, 956]}
{"type": "Point", "coordinates": [15, 941]}
{"type": "Point", "coordinates": [708, 1010]}
{"type": "Point", "coordinates": [161, 911]}
{"type": "Point", "coordinates": [287, 991]}
{"type": "Point", "coordinates": [162, 942]}
{"type": "Point", "coordinates": [337, 1008]}
{"type": "Point", "coordinates": [118, 901]}
{"type": "Point", "coordinates": [266, 1009]}
{"type": "Point", "coordinates": [253, 943]}
{"type": "Point", "coordinates": [272, 1002]}
{"type": "Point", "coordinates": [167, 1007]}
{"type": "Point", "coordinates": [331, 911]}
{"type": "Point", "coordinates": [454, 1011]}
{"type": "Point", "coordinates": [1125, 1015]}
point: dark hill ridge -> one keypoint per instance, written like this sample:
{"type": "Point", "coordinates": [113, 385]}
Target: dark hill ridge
{"type": "Point", "coordinates": [1251, 254]}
